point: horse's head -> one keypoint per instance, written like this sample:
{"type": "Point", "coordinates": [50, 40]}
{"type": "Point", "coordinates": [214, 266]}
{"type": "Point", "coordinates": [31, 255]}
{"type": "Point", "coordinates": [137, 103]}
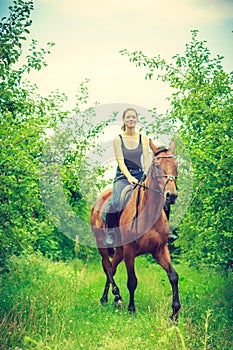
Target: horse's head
{"type": "Point", "coordinates": [164, 169]}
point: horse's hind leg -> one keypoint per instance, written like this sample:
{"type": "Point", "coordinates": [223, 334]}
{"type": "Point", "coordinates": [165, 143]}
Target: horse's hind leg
{"type": "Point", "coordinates": [164, 259]}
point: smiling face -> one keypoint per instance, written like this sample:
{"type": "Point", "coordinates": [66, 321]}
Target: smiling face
{"type": "Point", "coordinates": [130, 118]}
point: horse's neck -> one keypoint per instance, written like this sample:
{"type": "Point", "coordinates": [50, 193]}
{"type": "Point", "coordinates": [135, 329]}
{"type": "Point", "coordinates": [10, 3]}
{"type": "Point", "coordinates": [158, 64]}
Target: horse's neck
{"type": "Point", "coordinates": [142, 212]}
{"type": "Point", "coordinates": [151, 203]}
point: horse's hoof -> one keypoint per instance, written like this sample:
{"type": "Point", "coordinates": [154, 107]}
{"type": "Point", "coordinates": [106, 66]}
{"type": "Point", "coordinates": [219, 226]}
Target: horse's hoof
{"type": "Point", "coordinates": [103, 301]}
{"type": "Point", "coordinates": [132, 310]}
{"type": "Point", "coordinates": [119, 304]}
{"type": "Point", "coordinates": [174, 318]}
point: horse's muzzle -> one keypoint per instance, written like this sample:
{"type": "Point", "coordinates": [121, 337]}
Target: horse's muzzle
{"type": "Point", "coordinates": [171, 197]}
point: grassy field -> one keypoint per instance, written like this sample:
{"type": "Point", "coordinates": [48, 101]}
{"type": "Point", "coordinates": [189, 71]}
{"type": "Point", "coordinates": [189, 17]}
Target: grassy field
{"type": "Point", "coordinates": [49, 305]}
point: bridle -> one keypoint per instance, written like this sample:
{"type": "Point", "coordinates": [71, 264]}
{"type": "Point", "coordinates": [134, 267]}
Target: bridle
{"type": "Point", "coordinates": [155, 176]}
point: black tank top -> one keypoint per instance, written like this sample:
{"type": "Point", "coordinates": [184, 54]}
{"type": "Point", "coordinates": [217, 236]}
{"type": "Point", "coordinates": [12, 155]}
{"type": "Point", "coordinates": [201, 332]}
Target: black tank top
{"type": "Point", "coordinates": [132, 157]}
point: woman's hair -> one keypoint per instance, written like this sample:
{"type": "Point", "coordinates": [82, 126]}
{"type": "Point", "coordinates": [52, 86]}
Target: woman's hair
{"type": "Point", "coordinates": [124, 113]}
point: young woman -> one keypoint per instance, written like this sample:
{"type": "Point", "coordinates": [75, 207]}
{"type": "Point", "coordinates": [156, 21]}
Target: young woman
{"type": "Point", "coordinates": [132, 155]}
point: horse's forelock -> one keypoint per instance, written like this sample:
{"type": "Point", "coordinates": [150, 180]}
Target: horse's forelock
{"type": "Point", "coordinates": [160, 150]}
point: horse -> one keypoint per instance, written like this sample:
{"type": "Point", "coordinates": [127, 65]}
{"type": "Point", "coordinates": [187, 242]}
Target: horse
{"type": "Point", "coordinates": [143, 227]}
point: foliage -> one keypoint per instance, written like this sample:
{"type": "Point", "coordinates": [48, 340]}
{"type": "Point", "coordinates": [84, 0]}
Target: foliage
{"type": "Point", "coordinates": [201, 107]}
{"type": "Point", "coordinates": [27, 120]}
{"type": "Point", "coordinates": [55, 305]}
{"type": "Point", "coordinates": [23, 118]}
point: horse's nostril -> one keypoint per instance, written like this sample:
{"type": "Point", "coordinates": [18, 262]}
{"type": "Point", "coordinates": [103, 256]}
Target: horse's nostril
{"type": "Point", "coordinates": [171, 196]}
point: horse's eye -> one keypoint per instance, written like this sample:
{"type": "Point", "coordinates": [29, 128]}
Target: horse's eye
{"type": "Point", "coordinates": [157, 165]}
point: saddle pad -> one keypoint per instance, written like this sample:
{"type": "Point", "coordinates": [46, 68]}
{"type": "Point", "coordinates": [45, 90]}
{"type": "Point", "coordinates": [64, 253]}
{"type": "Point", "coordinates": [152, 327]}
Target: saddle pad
{"type": "Point", "coordinates": [124, 198]}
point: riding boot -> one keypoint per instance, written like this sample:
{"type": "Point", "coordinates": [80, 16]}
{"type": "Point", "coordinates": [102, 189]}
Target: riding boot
{"type": "Point", "coordinates": [111, 219]}
{"type": "Point", "coordinates": [173, 235]}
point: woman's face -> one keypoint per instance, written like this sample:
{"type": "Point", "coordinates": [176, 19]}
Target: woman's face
{"type": "Point", "coordinates": [130, 119]}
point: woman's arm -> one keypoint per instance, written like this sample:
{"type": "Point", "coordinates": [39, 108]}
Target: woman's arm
{"type": "Point", "coordinates": [145, 152]}
{"type": "Point", "coordinates": [120, 160]}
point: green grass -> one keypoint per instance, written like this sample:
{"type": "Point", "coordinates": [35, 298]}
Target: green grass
{"type": "Point", "coordinates": [48, 305]}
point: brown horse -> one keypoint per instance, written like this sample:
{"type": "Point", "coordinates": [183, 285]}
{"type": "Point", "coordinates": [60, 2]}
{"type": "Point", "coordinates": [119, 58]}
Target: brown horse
{"type": "Point", "coordinates": [143, 227]}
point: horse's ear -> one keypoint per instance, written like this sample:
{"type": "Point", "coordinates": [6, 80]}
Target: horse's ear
{"type": "Point", "coordinates": [152, 146]}
{"type": "Point", "coordinates": [172, 146]}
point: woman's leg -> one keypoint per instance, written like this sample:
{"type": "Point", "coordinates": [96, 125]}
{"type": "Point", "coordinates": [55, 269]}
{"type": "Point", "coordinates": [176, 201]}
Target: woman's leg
{"type": "Point", "coordinates": [112, 235]}
{"type": "Point", "coordinates": [120, 182]}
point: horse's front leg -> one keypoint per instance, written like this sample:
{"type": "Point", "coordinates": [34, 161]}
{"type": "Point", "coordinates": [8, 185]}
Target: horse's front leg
{"type": "Point", "coordinates": [117, 258]}
{"type": "Point", "coordinates": [164, 259]}
{"type": "Point", "coordinates": [132, 279]}
{"type": "Point", "coordinates": [173, 278]}
{"type": "Point", "coordinates": [110, 271]}
{"type": "Point", "coordinates": [104, 298]}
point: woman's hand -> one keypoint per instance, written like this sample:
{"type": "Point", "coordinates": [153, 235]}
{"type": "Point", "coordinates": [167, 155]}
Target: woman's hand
{"type": "Point", "coordinates": [132, 180]}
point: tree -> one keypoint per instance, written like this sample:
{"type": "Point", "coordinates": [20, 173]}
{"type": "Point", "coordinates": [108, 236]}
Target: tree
{"type": "Point", "coordinates": [201, 106]}
{"type": "Point", "coordinates": [24, 118]}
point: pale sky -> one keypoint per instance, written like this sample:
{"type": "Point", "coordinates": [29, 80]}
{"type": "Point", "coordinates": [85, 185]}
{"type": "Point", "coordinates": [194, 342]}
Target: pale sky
{"type": "Point", "coordinates": [89, 34]}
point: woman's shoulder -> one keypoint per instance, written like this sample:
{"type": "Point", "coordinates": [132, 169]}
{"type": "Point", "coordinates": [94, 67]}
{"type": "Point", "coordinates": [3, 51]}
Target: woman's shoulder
{"type": "Point", "coordinates": [145, 140]}
{"type": "Point", "coordinates": [117, 140]}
